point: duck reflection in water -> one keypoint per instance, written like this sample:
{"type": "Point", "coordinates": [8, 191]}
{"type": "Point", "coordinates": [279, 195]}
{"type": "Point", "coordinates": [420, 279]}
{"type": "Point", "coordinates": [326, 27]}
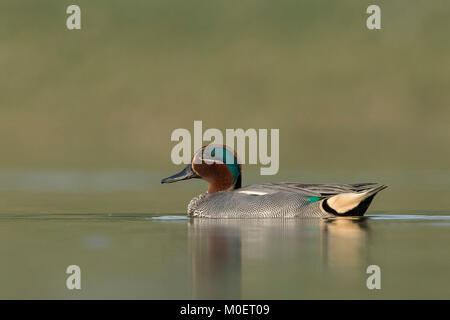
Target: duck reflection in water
{"type": "Point", "coordinates": [345, 242]}
{"type": "Point", "coordinates": [226, 252]}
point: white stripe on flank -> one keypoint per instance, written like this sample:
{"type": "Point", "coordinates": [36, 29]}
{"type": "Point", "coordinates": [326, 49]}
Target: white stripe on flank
{"type": "Point", "coordinates": [258, 193]}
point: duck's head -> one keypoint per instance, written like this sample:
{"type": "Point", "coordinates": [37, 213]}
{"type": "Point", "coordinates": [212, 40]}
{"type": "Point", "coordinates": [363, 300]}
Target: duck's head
{"type": "Point", "coordinates": [216, 164]}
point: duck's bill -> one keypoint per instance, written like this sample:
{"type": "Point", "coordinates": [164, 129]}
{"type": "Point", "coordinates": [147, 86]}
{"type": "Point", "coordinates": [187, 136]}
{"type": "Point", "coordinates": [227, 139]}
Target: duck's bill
{"type": "Point", "coordinates": [185, 174]}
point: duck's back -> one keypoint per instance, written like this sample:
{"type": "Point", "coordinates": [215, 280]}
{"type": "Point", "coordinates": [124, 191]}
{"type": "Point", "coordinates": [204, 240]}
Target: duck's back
{"type": "Point", "coordinates": [273, 200]}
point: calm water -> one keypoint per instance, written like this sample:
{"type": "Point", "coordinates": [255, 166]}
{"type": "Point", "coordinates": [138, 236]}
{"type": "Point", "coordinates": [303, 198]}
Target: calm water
{"type": "Point", "coordinates": [108, 223]}
{"type": "Point", "coordinates": [148, 256]}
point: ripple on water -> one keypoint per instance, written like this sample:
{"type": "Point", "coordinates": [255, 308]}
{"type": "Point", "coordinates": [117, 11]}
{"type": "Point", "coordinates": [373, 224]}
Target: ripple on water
{"type": "Point", "coordinates": [407, 217]}
{"type": "Point", "coordinates": [169, 218]}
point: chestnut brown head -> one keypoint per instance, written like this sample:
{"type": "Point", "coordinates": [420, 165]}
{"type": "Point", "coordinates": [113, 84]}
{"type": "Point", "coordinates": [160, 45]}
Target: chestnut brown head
{"type": "Point", "coordinates": [216, 164]}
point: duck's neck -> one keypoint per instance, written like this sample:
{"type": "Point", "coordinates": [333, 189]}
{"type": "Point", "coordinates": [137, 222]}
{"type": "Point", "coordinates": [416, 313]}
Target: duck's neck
{"type": "Point", "coordinates": [224, 185]}
{"type": "Point", "coordinates": [216, 187]}
{"type": "Point", "coordinates": [238, 183]}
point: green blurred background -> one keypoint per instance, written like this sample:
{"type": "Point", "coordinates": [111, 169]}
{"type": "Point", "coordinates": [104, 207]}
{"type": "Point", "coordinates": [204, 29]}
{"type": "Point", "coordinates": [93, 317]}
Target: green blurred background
{"type": "Point", "coordinates": [351, 104]}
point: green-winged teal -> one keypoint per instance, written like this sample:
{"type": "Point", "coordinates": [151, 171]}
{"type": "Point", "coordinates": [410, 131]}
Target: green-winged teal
{"type": "Point", "coordinates": [226, 198]}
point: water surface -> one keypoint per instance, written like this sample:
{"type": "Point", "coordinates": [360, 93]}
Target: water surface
{"type": "Point", "coordinates": [154, 256]}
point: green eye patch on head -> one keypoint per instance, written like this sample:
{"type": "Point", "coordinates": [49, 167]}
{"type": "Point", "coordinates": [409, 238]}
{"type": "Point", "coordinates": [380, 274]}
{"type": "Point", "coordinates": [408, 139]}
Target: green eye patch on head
{"type": "Point", "coordinates": [225, 156]}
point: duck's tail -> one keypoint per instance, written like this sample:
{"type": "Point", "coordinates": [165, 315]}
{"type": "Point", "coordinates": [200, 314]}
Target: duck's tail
{"type": "Point", "coordinates": [351, 203]}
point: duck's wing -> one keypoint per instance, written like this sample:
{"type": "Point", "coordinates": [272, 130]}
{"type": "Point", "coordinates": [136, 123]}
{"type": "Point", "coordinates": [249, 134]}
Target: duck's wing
{"type": "Point", "coordinates": [307, 189]}
{"type": "Point", "coordinates": [335, 199]}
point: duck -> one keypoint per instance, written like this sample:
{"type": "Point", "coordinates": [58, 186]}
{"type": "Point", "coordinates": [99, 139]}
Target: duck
{"type": "Point", "coordinates": [226, 198]}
